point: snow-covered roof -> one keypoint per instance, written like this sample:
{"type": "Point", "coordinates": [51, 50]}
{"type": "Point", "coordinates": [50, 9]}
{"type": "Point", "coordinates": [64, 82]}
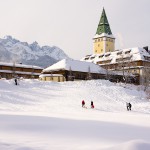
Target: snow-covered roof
{"type": "Point", "coordinates": [133, 54]}
{"type": "Point", "coordinates": [103, 35]}
{"type": "Point", "coordinates": [19, 72]}
{"type": "Point", "coordinates": [75, 65]}
{"type": "Point", "coordinates": [19, 65]}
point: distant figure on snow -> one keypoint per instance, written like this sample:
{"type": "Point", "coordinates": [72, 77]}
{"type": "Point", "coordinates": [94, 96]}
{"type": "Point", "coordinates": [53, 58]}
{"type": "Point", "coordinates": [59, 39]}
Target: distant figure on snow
{"type": "Point", "coordinates": [83, 103]}
{"type": "Point", "coordinates": [16, 82]}
{"type": "Point", "coordinates": [92, 105]}
{"type": "Point", "coordinates": [128, 106]}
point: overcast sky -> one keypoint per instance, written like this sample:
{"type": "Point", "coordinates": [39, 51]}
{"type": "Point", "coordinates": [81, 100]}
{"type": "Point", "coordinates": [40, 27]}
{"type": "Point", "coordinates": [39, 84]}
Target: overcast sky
{"type": "Point", "coordinates": [71, 24]}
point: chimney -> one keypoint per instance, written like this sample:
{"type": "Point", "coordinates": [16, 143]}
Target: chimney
{"type": "Point", "coordinates": [146, 48]}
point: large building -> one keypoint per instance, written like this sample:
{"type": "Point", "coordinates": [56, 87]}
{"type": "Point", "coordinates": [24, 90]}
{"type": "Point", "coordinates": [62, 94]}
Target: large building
{"type": "Point", "coordinates": [11, 70]}
{"type": "Point", "coordinates": [130, 61]}
{"type": "Point", "coordinates": [75, 70]}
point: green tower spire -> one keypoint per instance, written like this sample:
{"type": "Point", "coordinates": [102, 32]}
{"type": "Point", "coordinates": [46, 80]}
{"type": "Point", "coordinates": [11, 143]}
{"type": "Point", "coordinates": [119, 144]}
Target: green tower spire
{"type": "Point", "coordinates": [103, 26]}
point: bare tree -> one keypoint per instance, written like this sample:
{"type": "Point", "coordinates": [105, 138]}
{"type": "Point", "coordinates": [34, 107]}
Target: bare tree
{"type": "Point", "coordinates": [145, 78]}
{"type": "Point", "coordinates": [89, 75]}
{"type": "Point", "coordinates": [14, 69]}
{"type": "Point", "coordinates": [70, 76]}
{"type": "Point", "coordinates": [32, 72]}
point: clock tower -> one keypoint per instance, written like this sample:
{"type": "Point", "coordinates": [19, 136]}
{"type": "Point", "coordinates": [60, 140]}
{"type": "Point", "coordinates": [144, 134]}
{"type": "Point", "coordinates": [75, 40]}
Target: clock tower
{"type": "Point", "coordinates": [104, 41]}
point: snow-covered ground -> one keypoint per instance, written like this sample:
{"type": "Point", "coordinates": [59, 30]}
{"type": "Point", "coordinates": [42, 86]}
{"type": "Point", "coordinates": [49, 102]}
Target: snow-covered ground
{"type": "Point", "coordinates": [37, 115]}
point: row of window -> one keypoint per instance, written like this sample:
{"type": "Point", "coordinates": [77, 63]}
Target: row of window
{"type": "Point", "coordinates": [147, 58]}
{"type": "Point", "coordinates": [123, 59]}
{"type": "Point", "coordinates": [103, 39]}
{"type": "Point", "coordinates": [127, 52]}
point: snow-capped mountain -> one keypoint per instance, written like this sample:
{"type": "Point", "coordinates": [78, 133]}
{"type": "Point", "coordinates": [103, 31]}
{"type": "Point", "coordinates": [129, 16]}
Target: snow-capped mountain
{"type": "Point", "coordinates": [21, 52]}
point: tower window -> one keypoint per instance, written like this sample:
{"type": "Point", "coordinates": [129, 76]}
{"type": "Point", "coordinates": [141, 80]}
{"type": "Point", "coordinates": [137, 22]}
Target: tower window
{"type": "Point", "coordinates": [101, 50]}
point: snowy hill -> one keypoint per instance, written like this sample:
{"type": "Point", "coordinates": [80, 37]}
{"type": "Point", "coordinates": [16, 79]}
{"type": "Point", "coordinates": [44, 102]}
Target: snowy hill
{"type": "Point", "coordinates": [39, 115]}
{"type": "Point", "coordinates": [30, 54]}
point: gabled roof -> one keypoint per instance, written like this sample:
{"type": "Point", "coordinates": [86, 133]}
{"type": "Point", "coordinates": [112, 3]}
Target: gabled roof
{"type": "Point", "coordinates": [75, 65]}
{"type": "Point", "coordinates": [19, 65]}
{"type": "Point", "coordinates": [103, 26]}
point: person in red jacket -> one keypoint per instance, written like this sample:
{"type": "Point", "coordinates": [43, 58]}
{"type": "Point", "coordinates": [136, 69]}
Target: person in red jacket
{"type": "Point", "coordinates": [83, 103]}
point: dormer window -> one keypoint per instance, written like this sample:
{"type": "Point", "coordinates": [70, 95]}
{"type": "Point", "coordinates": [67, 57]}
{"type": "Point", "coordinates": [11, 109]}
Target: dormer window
{"type": "Point", "coordinates": [101, 56]}
{"type": "Point", "coordinates": [86, 58]}
{"type": "Point", "coordinates": [119, 53]}
{"type": "Point", "coordinates": [128, 52]}
{"type": "Point", "coordinates": [107, 55]}
{"type": "Point", "coordinates": [92, 57]}
{"type": "Point", "coordinates": [147, 58]}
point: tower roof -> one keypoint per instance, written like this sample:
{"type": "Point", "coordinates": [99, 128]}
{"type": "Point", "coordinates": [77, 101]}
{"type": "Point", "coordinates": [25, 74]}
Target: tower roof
{"type": "Point", "coordinates": [103, 26]}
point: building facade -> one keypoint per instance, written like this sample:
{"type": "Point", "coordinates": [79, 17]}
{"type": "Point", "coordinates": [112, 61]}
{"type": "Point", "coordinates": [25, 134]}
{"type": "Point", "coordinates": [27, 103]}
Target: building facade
{"type": "Point", "coordinates": [126, 62]}
{"type": "Point", "coordinates": [11, 70]}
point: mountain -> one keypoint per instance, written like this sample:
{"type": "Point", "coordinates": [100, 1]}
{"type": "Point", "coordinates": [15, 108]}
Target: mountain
{"type": "Point", "coordinates": [31, 54]}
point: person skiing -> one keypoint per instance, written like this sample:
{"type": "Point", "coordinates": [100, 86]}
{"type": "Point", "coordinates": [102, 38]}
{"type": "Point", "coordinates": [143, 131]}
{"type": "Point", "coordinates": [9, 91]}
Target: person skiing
{"type": "Point", "coordinates": [92, 105]}
{"type": "Point", "coordinates": [83, 103]}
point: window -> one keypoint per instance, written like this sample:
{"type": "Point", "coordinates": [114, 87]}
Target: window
{"type": "Point", "coordinates": [107, 55]}
{"type": "Point", "coordinates": [101, 56]}
{"type": "Point", "coordinates": [92, 57]}
{"type": "Point", "coordinates": [119, 53]}
{"type": "Point", "coordinates": [86, 58]}
{"type": "Point", "coordinates": [101, 50]}
{"type": "Point", "coordinates": [128, 52]}
{"type": "Point", "coordinates": [147, 58]}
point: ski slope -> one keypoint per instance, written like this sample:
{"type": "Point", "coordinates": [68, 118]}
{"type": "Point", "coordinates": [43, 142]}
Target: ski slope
{"type": "Point", "coordinates": [37, 115]}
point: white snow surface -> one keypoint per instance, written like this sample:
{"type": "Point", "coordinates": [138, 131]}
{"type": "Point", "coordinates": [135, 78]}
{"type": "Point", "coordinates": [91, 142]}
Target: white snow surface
{"type": "Point", "coordinates": [38, 115]}
{"type": "Point", "coordinates": [75, 65]}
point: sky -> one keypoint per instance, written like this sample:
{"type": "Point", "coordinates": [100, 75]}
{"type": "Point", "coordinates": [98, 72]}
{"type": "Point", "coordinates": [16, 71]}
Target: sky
{"type": "Point", "coordinates": [71, 24]}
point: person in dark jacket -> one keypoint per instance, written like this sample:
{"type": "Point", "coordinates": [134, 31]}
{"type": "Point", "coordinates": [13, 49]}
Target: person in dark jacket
{"type": "Point", "coordinates": [92, 105]}
{"type": "Point", "coordinates": [130, 106]}
{"type": "Point", "coordinates": [16, 83]}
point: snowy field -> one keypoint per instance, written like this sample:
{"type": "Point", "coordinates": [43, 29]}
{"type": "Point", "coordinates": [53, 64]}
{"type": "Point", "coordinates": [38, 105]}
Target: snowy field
{"type": "Point", "coordinates": [37, 115]}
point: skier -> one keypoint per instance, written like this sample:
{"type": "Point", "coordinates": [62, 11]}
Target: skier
{"type": "Point", "coordinates": [83, 103]}
{"type": "Point", "coordinates": [92, 105]}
